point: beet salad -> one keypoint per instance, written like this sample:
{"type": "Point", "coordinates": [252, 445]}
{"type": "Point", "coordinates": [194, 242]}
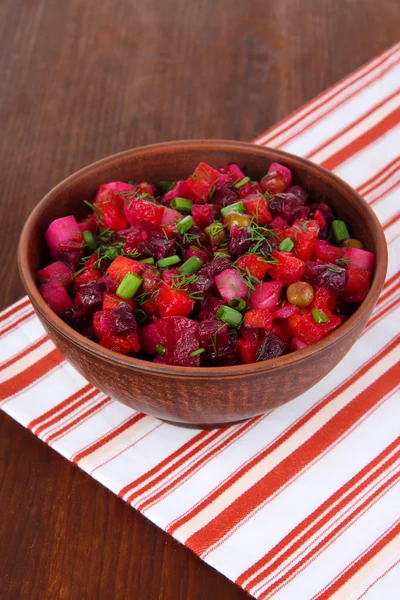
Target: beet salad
{"type": "Point", "coordinates": [215, 270]}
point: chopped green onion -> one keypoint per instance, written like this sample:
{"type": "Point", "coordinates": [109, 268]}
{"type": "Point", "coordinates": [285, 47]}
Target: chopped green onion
{"type": "Point", "coordinates": [229, 315]}
{"type": "Point", "coordinates": [165, 186]}
{"type": "Point", "coordinates": [237, 303]}
{"type": "Point", "coordinates": [242, 182]}
{"type": "Point", "coordinates": [340, 231]}
{"type": "Point", "coordinates": [236, 207]}
{"type": "Point", "coordinates": [149, 261]}
{"type": "Point", "coordinates": [191, 265]}
{"type": "Point", "coordinates": [319, 316]}
{"type": "Point", "coordinates": [197, 352]}
{"type": "Point", "coordinates": [182, 204]}
{"type": "Point", "coordinates": [185, 224]}
{"type": "Point", "coordinates": [286, 245]}
{"type": "Point", "coordinates": [90, 240]}
{"type": "Point", "coordinates": [129, 286]}
{"type": "Point", "coordinates": [160, 349]}
{"type": "Point", "coordinates": [167, 262]}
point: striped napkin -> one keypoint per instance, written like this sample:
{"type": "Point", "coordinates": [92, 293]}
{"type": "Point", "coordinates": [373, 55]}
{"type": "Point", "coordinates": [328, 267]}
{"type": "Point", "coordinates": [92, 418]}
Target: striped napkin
{"type": "Point", "coordinates": [304, 501]}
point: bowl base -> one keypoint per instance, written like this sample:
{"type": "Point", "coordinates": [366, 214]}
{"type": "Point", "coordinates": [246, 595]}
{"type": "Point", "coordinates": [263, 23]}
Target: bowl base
{"type": "Point", "coordinates": [202, 425]}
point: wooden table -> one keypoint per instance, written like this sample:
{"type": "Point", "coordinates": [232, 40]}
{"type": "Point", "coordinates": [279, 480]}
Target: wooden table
{"type": "Point", "coordinates": [83, 79]}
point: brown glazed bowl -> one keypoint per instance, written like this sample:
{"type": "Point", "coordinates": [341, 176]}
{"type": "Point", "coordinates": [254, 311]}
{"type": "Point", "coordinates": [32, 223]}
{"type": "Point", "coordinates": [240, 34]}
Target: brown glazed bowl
{"type": "Point", "coordinates": [199, 396]}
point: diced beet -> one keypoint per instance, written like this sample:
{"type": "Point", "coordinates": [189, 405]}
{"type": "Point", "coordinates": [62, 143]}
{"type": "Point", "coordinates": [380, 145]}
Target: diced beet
{"type": "Point", "coordinates": [89, 224]}
{"type": "Point", "coordinates": [288, 267]}
{"type": "Point", "coordinates": [258, 319]}
{"type": "Point", "coordinates": [137, 211]}
{"type": "Point", "coordinates": [250, 333]}
{"type": "Point", "coordinates": [226, 357]}
{"type": "Point", "coordinates": [332, 277]}
{"type": "Point", "coordinates": [271, 346]}
{"type": "Point", "coordinates": [319, 217]}
{"type": "Point", "coordinates": [90, 296]}
{"type": "Point", "coordinates": [209, 308]}
{"type": "Point", "coordinates": [216, 266]}
{"type": "Point", "coordinates": [133, 339]}
{"type": "Point", "coordinates": [247, 351]}
{"type": "Point", "coordinates": [173, 303]}
{"type": "Point", "coordinates": [360, 258]}
{"type": "Point", "coordinates": [202, 285]}
{"type": "Point", "coordinates": [61, 230]}
{"type": "Point", "coordinates": [150, 336]}
{"type": "Point", "coordinates": [324, 299]}
{"type": "Point", "coordinates": [202, 182]}
{"type": "Point", "coordinates": [281, 172]}
{"type": "Point", "coordinates": [108, 211]}
{"type": "Point", "coordinates": [357, 285]}
{"type": "Point", "coordinates": [79, 319]}
{"type": "Point", "coordinates": [284, 206]}
{"type": "Point", "coordinates": [194, 236]}
{"type": "Point", "coordinates": [299, 192]}
{"type": "Point", "coordinates": [179, 190]}
{"type": "Point", "coordinates": [123, 321]}
{"type": "Point", "coordinates": [102, 323]}
{"type": "Point", "coordinates": [168, 275]}
{"type": "Point", "coordinates": [297, 344]}
{"type": "Point", "coordinates": [170, 216]}
{"type": "Point", "coordinates": [57, 270]}
{"type": "Point", "coordinates": [160, 248]}
{"type": "Point", "coordinates": [56, 296]}
{"type": "Point", "coordinates": [115, 343]}
{"type": "Point", "coordinates": [303, 213]}
{"type": "Point", "coordinates": [324, 209]}
{"type": "Point", "coordinates": [235, 172]}
{"type": "Point", "coordinates": [249, 189]}
{"type": "Point", "coordinates": [266, 295]}
{"type": "Point", "coordinates": [202, 215]}
{"type": "Point", "coordinates": [286, 311]}
{"type": "Point", "coordinates": [119, 188]}
{"type": "Point", "coordinates": [278, 223]}
{"type": "Point", "coordinates": [327, 253]}
{"type": "Point", "coordinates": [205, 254]}
{"type": "Point", "coordinates": [309, 332]}
{"type": "Point", "coordinates": [240, 240]}
{"type": "Point", "coordinates": [181, 339]}
{"type": "Point", "coordinates": [280, 327]}
{"type": "Point", "coordinates": [224, 195]}
{"type": "Point", "coordinates": [136, 241]}
{"type": "Point", "coordinates": [231, 285]}
{"type": "Point", "coordinates": [213, 335]}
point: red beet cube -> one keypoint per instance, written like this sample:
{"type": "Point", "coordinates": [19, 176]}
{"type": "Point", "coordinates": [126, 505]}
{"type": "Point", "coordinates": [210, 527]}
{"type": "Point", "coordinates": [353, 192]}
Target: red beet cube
{"type": "Point", "coordinates": [202, 181]}
{"type": "Point", "coordinates": [289, 268]}
{"type": "Point", "coordinates": [258, 208]}
{"type": "Point", "coordinates": [247, 350]}
{"type": "Point", "coordinates": [173, 303]}
{"type": "Point", "coordinates": [56, 296]}
{"type": "Point", "coordinates": [259, 319]}
{"type": "Point", "coordinates": [309, 332]}
{"type": "Point", "coordinates": [202, 215]}
{"type": "Point", "coordinates": [357, 286]}
{"type": "Point", "coordinates": [56, 271]}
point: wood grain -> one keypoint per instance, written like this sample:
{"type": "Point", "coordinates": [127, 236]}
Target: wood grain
{"type": "Point", "coordinates": [83, 79]}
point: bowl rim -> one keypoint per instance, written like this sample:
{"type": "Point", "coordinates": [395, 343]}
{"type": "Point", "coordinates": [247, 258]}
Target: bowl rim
{"type": "Point", "coordinates": [157, 369]}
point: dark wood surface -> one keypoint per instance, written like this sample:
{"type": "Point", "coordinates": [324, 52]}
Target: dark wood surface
{"type": "Point", "coordinates": [83, 79]}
